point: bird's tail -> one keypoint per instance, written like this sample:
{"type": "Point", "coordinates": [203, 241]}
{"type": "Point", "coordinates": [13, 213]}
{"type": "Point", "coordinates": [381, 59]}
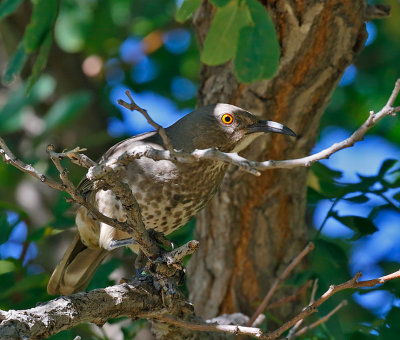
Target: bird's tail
{"type": "Point", "coordinates": [75, 269]}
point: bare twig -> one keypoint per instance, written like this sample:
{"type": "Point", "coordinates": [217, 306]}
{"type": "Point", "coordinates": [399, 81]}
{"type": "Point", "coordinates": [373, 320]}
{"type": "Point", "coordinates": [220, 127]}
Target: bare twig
{"type": "Point", "coordinates": [133, 106]}
{"type": "Point", "coordinates": [9, 158]}
{"type": "Point", "coordinates": [292, 297]}
{"type": "Point", "coordinates": [76, 156]}
{"type": "Point", "coordinates": [35, 321]}
{"type": "Point", "coordinates": [358, 135]}
{"type": "Point", "coordinates": [322, 320]}
{"type": "Point", "coordinates": [278, 281]}
{"type": "Point", "coordinates": [134, 224]}
{"type": "Point", "coordinates": [55, 158]}
{"type": "Point", "coordinates": [292, 332]}
{"type": "Point", "coordinates": [378, 11]}
{"type": "Point", "coordinates": [351, 284]}
{"type": "Point", "coordinates": [127, 299]}
{"type": "Point", "coordinates": [314, 291]}
{"type": "Point", "coordinates": [354, 283]}
{"type": "Point", "coordinates": [179, 156]}
{"type": "Point", "coordinates": [228, 329]}
{"type": "Point", "coordinates": [255, 167]}
{"type": "Point", "coordinates": [133, 213]}
{"type": "Point", "coordinates": [177, 255]}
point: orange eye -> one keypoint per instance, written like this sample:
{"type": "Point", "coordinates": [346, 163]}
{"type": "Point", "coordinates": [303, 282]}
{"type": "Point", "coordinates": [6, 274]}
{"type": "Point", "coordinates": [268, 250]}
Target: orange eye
{"type": "Point", "coordinates": [227, 119]}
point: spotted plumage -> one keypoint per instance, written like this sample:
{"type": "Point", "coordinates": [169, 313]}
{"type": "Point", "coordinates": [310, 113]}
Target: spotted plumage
{"type": "Point", "coordinates": [168, 193]}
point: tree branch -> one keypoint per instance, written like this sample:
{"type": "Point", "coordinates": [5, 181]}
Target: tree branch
{"type": "Point", "coordinates": [56, 315]}
{"type": "Point", "coordinates": [142, 298]}
{"type": "Point", "coordinates": [10, 159]}
{"type": "Point", "coordinates": [292, 297]}
{"type": "Point", "coordinates": [293, 330]}
{"type": "Point", "coordinates": [51, 317]}
{"type": "Point", "coordinates": [322, 320]}
{"type": "Point", "coordinates": [378, 11]}
{"type": "Point", "coordinates": [134, 107]}
{"type": "Point", "coordinates": [255, 167]}
{"type": "Point", "coordinates": [278, 281]}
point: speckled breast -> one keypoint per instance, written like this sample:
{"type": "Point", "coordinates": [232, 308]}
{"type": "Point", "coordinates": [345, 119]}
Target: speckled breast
{"type": "Point", "coordinates": [169, 193]}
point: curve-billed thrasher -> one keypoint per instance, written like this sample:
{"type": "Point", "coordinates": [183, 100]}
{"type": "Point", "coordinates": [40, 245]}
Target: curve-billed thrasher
{"type": "Point", "coordinates": [168, 193]}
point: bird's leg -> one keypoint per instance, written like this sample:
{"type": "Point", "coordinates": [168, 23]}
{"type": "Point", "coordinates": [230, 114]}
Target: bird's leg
{"type": "Point", "coordinates": [140, 263]}
{"type": "Point", "coordinates": [120, 243]}
{"type": "Point", "coordinates": [141, 259]}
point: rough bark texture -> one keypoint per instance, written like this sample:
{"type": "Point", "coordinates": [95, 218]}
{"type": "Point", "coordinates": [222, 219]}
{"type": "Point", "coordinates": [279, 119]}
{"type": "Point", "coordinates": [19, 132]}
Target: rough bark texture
{"type": "Point", "coordinates": [62, 313]}
{"type": "Point", "coordinates": [255, 225]}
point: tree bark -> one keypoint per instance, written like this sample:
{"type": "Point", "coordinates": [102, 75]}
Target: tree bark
{"type": "Point", "coordinates": [255, 225]}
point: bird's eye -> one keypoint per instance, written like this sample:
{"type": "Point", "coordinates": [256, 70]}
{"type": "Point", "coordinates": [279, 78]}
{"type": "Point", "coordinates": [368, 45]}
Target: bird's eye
{"type": "Point", "coordinates": [227, 119]}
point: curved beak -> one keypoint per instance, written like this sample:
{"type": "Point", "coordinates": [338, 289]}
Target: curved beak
{"type": "Point", "coordinates": [270, 126]}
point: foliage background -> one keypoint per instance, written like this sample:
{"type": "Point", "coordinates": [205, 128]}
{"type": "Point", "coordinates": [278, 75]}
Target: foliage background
{"type": "Point", "coordinates": [103, 47]}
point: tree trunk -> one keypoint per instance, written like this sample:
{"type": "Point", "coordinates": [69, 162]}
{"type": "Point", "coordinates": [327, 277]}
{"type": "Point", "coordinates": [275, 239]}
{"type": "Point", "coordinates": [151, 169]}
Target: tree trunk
{"type": "Point", "coordinates": [256, 225]}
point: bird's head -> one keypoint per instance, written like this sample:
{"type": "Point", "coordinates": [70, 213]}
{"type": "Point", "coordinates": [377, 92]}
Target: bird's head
{"type": "Point", "coordinates": [226, 127]}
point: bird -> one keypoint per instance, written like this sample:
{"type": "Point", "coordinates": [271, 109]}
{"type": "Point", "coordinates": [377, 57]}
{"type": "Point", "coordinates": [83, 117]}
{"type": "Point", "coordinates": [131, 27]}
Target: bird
{"type": "Point", "coordinates": [169, 193]}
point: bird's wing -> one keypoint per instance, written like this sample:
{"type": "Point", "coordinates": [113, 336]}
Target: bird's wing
{"type": "Point", "coordinates": [86, 186]}
{"type": "Point", "coordinates": [128, 143]}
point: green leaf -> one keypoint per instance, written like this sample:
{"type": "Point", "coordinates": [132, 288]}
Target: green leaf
{"type": "Point", "coordinates": [25, 284]}
{"type": "Point", "coordinates": [100, 278]}
{"type": "Point", "coordinates": [332, 252]}
{"type": "Point", "coordinates": [66, 108]}
{"type": "Point", "coordinates": [11, 113]}
{"type": "Point", "coordinates": [389, 267]}
{"type": "Point", "coordinates": [220, 3]}
{"type": "Point", "coordinates": [6, 266]}
{"type": "Point", "coordinates": [367, 180]}
{"type": "Point", "coordinates": [360, 225]}
{"type": "Point", "coordinates": [333, 190]}
{"type": "Point", "coordinates": [397, 197]}
{"type": "Point", "coordinates": [222, 38]}
{"type": "Point", "coordinates": [16, 63]}
{"type": "Point", "coordinates": [393, 318]}
{"type": "Point", "coordinates": [258, 54]}
{"type": "Point", "coordinates": [186, 10]}
{"type": "Point", "coordinates": [8, 6]}
{"type": "Point", "coordinates": [40, 62]}
{"type": "Point", "coordinates": [39, 234]}
{"type": "Point", "coordinates": [395, 184]}
{"type": "Point", "coordinates": [42, 20]}
{"type": "Point", "coordinates": [358, 199]}
{"type": "Point", "coordinates": [5, 228]}
{"type": "Point", "coordinates": [386, 166]}
{"type": "Point", "coordinates": [13, 207]}
{"type": "Point", "coordinates": [324, 173]}
{"type": "Point", "coordinates": [357, 335]}
{"type": "Point", "coordinates": [314, 196]}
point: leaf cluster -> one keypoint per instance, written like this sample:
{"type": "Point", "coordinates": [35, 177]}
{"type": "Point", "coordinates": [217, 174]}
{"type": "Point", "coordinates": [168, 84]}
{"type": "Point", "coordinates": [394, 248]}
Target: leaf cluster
{"type": "Point", "coordinates": [241, 30]}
